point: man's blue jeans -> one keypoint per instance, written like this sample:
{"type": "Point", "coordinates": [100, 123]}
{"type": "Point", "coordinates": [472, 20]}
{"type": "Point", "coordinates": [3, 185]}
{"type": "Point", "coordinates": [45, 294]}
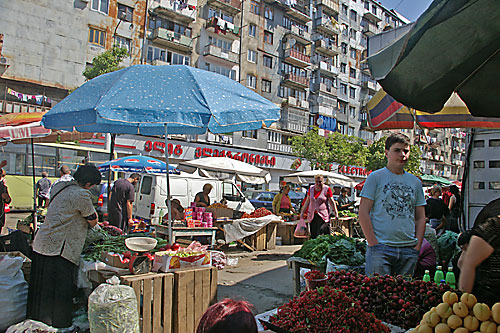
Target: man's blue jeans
{"type": "Point", "coordinates": [390, 260]}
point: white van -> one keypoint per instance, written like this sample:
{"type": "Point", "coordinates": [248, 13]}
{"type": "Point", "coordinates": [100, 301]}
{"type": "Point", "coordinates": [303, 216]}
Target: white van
{"type": "Point", "coordinates": [152, 192]}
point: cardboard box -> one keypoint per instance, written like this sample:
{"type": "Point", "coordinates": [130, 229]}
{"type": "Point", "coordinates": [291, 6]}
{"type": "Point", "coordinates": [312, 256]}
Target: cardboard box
{"type": "Point", "coordinates": [220, 212]}
{"type": "Point", "coordinates": [113, 260]}
{"type": "Point", "coordinates": [175, 263]}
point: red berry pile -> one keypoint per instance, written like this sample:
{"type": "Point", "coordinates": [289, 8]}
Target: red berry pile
{"type": "Point", "coordinates": [393, 300]}
{"type": "Point", "coordinates": [314, 275]}
{"type": "Point", "coordinates": [326, 310]}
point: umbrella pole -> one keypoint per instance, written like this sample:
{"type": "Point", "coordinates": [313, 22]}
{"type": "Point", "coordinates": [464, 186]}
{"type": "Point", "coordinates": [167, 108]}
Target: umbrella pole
{"type": "Point", "coordinates": [111, 157]}
{"type": "Point", "coordinates": [168, 190]}
{"type": "Point", "coordinates": [34, 185]}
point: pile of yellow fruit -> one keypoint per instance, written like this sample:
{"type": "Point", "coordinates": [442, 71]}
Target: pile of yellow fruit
{"type": "Point", "coordinates": [466, 315]}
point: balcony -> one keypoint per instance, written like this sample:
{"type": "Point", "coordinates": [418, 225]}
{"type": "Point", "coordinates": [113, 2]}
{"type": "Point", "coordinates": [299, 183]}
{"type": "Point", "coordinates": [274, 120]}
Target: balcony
{"type": "Point", "coordinates": [327, 68]}
{"type": "Point", "coordinates": [232, 7]}
{"type": "Point", "coordinates": [329, 7]}
{"type": "Point", "coordinates": [292, 101]}
{"type": "Point", "coordinates": [220, 54]}
{"type": "Point", "coordinates": [328, 111]}
{"type": "Point", "coordinates": [296, 81]}
{"type": "Point", "coordinates": [294, 120]}
{"type": "Point", "coordinates": [326, 26]}
{"type": "Point", "coordinates": [300, 15]}
{"type": "Point", "coordinates": [15, 107]}
{"type": "Point", "coordinates": [279, 147]}
{"type": "Point", "coordinates": [225, 28]}
{"type": "Point", "coordinates": [325, 47]}
{"type": "Point", "coordinates": [365, 68]}
{"type": "Point", "coordinates": [158, 62]}
{"type": "Point", "coordinates": [322, 87]}
{"type": "Point", "coordinates": [299, 34]}
{"type": "Point", "coordinates": [372, 17]}
{"type": "Point", "coordinates": [172, 39]}
{"type": "Point", "coordinates": [369, 29]}
{"type": "Point", "coordinates": [186, 15]}
{"type": "Point", "coordinates": [296, 58]}
{"type": "Point", "coordinates": [370, 85]}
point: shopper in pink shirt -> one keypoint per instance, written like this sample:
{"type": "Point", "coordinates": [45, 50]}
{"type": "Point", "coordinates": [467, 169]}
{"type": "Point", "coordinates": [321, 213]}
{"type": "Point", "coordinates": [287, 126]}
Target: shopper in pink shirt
{"type": "Point", "coordinates": [319, 205]}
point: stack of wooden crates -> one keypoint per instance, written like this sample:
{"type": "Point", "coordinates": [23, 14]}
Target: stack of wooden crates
{"type": "Point", "coordinates": [173, 302]}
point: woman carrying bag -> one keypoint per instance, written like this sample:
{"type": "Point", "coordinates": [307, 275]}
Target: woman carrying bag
{"type": "Point", "coordinates": [320, 205]}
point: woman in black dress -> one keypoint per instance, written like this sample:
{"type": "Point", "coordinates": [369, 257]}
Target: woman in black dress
{"type": "Point", "coordinates": [202, 199]}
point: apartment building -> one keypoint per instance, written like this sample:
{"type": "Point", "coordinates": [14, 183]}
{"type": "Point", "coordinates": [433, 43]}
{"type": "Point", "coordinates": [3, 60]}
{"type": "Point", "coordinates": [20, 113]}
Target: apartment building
{"type": "Point", "coordinates": [304, 55]}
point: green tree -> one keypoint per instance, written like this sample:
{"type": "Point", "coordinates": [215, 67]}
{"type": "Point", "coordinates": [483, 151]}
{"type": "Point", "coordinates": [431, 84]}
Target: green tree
{"type": "Point", "coordinates": [106, 62]}
{"type": "Point", "coordinates": [376, 157]}
{"type": "Point", "coordinates": [322, 151]}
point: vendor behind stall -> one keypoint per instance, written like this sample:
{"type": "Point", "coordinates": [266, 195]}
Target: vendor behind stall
{"type": "Point", "coordinates": [282, 202]}
{"type": "Point", "coordinates": [202, 199]}
{"type": "Point", "coordinates": [343, 202]}
{"type": "Point", "coordinates": [177, 210]}
{"type": "Point", "coordinates": [57, 247]}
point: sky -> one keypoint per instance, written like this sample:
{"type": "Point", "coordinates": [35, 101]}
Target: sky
{"type": "Point", "coordinates": [411, 9]}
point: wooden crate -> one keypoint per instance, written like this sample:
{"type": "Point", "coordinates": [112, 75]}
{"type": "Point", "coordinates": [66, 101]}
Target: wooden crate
{"type": "Point", "coordinates": [194, 291]}
{"type": "Point", "coordinates": [285, 231]}
{"type": "Point", "coordinates": [258, 240]}
{"type": "Point", "coordinates": [271, 235]}
{"type": "Point", "coordinates": [154, 300]}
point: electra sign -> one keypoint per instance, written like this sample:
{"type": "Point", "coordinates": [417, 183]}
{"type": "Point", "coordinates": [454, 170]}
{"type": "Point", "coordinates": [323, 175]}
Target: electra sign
{"type": "Point", "coordinates": [353, 171]}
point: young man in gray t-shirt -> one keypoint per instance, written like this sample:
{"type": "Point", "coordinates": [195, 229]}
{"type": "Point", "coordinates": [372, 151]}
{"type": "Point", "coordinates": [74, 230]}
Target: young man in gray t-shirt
{"type": "Point", "coordinates": [392, 213]}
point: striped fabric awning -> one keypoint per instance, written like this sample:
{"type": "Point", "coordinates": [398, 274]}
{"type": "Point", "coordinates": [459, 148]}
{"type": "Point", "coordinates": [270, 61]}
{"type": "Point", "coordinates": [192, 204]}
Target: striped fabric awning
{"type": "Point", "coordinates": [384, 112]}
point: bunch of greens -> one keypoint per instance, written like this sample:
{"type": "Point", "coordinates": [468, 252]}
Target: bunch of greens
{"type": "Point", "coordinates": [346, 213]}
{"type": "Point", "coordinates": [347, 251]}
{"type": "Point", "coordinates": [447, 243]}
{"type": "Point", "coordinates": [340, 249]}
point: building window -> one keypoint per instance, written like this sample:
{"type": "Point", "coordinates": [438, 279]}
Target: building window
{"type": "Point", "coordinates": [266, 86]}
{"type": "Point", "coordinates": [350, 131]}
{"type": "Point", "coordinates": [220, 43]}
{"type": "Point", "coordinates": [268, 14]}
{"type": "Point", "coordinates": [230, 73]}
{"type": "Point", "coordinates": [252, 56]}
{"type": "Point", "coordinates": [101, 6]}
{"type": "Point", "coordinates": [267, 61]}
{"type": "Point", "coordinates": [252, 30]}
{"type": "Point", "coordinates": [249, 134]}
{"type": "Point", "coordinates": [255, 8]}
{"type": "Point", "coordinates": [352, 33]}
{"type": "Point", "coordinates": [97, 37]}
{"type": "Point", "coordinates": [367, 5]}
{"type": "Point", "coordinates": [274, 137]}
{"type": "Point", "coordinates": [219, 13]}
{"type": "Point", "coordinates": [352, 72]}
{"type": "Point", "coordinates": [155, 53]}
{"type": "Point", "coordinates": [343, 89]}
{"type": "Point", "coordinates": [251, 81]}
{"type": "Point", "coordinates": [125, 13]}
{"type": "Point", "coordinates": [343, 48]}
{"type": "Point", "coordinates": [374, 9]}
{"type": "Point", "coordinates": [352, 111]}
{"type": "Point", "coordinates": [353, 16]}
{"type": "Point", "coordinates": [268, 37]}
{"type": "Point", "coordinates": [342, 127]}
{"type": "Point", "coordinates": [352, 53]}
{"type": "Point", "coordinates": [160, 22]}
{"type": "Point", "coordinates": [343, 68]}
{"type": "Point", "coordinates": [352, 92]}
{"type": "Point", "coordinates": [122, 42]}
{"type": "Point", "coordinates": [344, 9]}
{"type": "Point", "coordinates": [342, 106]}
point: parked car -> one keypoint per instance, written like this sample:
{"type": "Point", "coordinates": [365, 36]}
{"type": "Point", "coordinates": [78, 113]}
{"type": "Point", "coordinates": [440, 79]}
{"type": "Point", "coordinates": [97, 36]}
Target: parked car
{"type": "Point", "coordinates": [296, 198]}
{"type": "Point", "coordinates": [261, 198]}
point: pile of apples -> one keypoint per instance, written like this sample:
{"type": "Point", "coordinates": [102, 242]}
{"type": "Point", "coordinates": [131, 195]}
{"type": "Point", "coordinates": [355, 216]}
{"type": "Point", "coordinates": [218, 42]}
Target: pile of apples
{"type": "Point", "coordinates": [460, 316]}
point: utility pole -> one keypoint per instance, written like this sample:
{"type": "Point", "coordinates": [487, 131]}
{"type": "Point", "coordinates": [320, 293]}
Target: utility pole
{"type": "Point", "coordinates": [241, 40]}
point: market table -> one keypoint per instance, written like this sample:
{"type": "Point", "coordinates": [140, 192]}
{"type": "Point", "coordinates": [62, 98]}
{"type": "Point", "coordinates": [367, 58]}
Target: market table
{"type": "Point", "coordinates": [343, 225]}
{"type": "Point", "coordinates": [296, 263]}
{"type": "Point", "coordinates": [185, 231]}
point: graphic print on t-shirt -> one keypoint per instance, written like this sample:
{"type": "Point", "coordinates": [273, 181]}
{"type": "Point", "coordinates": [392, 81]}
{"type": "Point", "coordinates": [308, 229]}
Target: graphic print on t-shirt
{"type": "Point", "coordinates": [397, 200]}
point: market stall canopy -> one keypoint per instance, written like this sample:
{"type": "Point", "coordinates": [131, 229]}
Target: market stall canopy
{"type": "Point", "coordinates": [435, 179]}
{"type": "Point", "coordinates": [359, 186]}
{"type": "Point", "coordinates": [142, 99]}
{"type": "Point", "coordinates": [384, 112]}
{"type": "Point", "coordinates": [307, 177]}
{"type": "Point", "coordinates": [137, 163]}
{"type": "Point", "coordinates": [210, 166]}
{"type": "Point", "coordinates": [453, 47]}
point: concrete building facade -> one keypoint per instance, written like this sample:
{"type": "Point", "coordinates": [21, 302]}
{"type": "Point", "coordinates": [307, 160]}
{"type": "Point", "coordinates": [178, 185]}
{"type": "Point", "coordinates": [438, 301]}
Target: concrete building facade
{"type": "Point", "coordinates": [304, 55]}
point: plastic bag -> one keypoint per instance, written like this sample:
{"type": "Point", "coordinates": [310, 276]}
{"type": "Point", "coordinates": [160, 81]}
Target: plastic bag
{"type": "Point", "coordinates": [13, 291]}
{"type": "Point", "coordinates": [113, 308]}
{"type": "Point", "coordinates": [31, 326]}
{"type": "Point", "coordinates": [302, 229]}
